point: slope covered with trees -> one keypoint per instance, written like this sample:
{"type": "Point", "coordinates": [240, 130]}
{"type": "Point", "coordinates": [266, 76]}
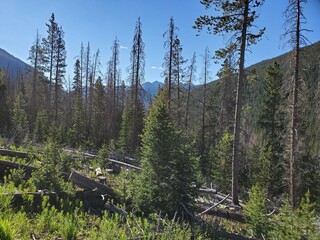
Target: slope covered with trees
{"type": "Point", "coordinates": [254, 128]}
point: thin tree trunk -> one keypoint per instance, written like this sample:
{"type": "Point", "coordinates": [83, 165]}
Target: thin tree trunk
{"type": "Point", "coordinates": [50, 77]}
{"type": "Point", "coordinates": [237, 122]}
{"type": "Point", "coordinates": [293, 129]}
{"type": "Point", "coordinates": [34, 85]}
{"type": "Point", "coordinates": [170, 63]}
{"type": "Point", "coordinates": [189, 91]}
{"type": "Point", "coordinates": [56, 89]}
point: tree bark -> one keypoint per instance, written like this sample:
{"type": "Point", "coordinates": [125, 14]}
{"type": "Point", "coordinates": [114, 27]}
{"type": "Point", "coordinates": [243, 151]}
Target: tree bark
{"type": "Point", "coordinates": [10, 165]}
{"type": "Point", "coordinates": [90, 184]}
{"type": "Point", "coordinates": [238, 110]}
{"type": "Point", "coordinates": [293, 129]}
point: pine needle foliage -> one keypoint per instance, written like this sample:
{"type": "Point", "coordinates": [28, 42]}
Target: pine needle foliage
{"type": "Point", "coordinates": [168, 176]}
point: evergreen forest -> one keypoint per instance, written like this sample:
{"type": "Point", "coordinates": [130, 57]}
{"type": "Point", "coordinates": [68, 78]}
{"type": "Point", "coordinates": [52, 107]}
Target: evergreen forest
{"type": "Point", "coordinates": [97, 157]}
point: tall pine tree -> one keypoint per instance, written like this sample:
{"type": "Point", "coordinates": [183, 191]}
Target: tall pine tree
{"type": "Point", "coordinates": [168, 176]}
{"type": "Point", "coordinates": [237, 18]}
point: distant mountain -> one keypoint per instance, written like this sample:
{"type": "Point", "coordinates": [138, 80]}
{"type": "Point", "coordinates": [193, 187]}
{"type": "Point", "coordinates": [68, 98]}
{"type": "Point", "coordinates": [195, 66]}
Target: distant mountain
{"type": "Point", "coordinates": [12, 65]}
{"type": "Point", "coordinates": [152, 87]}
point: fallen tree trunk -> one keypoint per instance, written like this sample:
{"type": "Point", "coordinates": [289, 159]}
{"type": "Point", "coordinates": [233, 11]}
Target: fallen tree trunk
{"type": "Point", "coordinates": [115, 209]}
{"type": "Point", "coordinates": [123, 164]}
{"type": "Point", "coordinates": [19, 199]}
{"type": "Point", "coordinates": [90, 184]}
{"type": "Point", "coordinates": [234, 216]}
{"type": "Point", "coordinates": [208, 191]}
{"type": "Point", "coordinates": [213, 206]}
{"type": "Point", "coordinates": [216, 195]}
{"type": "Point", "coordinates": [5, 165]}
{"type": "Point", "coordinates": [116, 162]}
{"type": "Point", "coordinates": [12, 153]}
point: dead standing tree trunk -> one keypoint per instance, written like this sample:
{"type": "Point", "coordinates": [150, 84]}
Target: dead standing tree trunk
{"type": "Point", "coordinates": [294, 19]}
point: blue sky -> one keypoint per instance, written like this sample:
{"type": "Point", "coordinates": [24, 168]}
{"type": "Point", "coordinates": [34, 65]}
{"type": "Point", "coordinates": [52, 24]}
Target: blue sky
{"type": "Point", "coordinates": [100, 21]}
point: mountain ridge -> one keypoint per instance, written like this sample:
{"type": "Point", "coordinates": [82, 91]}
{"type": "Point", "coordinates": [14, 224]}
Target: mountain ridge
{"type": "Point", "coordinates": [12, 65]}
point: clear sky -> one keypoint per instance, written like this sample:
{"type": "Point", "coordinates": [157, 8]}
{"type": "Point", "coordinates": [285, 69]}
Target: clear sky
{"type": "Point", "coordinates": [99, 21]}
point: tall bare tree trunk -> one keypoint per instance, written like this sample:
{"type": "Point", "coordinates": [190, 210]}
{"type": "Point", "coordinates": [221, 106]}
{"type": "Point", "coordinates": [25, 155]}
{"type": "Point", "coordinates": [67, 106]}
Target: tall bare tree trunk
{"type": "Point", "coordinates": [34, 105]}
{"type": "Point", "coordinates": [191, 70]}
{"type": "Point", "coordinates": [170, 62]}
{"type": "Point", "coordinates": [238, 109]}
{"type": "Point", "coordinates": [293, 128]}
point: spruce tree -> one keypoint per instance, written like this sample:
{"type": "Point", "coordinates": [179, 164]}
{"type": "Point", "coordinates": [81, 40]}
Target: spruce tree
{"type": "Point", "coordinates": [133, 113]}
{"type": "Point", "coordinates": [54, 57]}
{"type": "Point", "coordinates": [4, 108]}
{"type": "Point", "coordinates": [77, 131]}
{"type": "Point", "coordinates": [99, 114]}
{"type": "Point", "coordinates": [49, 45]}
{"type": "Point", "coordinates": [20, 117]}
{"type": "Point", "coordinates": [256, 212]}
{"type": "Point", "coordinates": [38, 85]}
{"type": "Point", "coordinates": [168, 176]}
{"type": "Point", "coordinates": [272, 122]}
{"type": "Point", "coordinates": [220, 155]}
{"type": "Point", "coordinates": [126, 131]}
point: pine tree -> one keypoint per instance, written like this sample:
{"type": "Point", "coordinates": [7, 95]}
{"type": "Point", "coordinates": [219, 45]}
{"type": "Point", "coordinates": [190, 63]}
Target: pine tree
{"type": "Point", "coordinates": [92, 79]}
{"type": "Point", "coordinates": [77, 131]}
{"type": "Point", "coordinates": [272, 122]}
{"type": "Point", "coordinates": [203, 146]}
{"type": "Point", "coordinates": [191, 72]}
{"type": "Point", "coordinates": [20, 118]}
{"type": "Point", "coordinates": [38, 85]}
{"type": "Point", "coordinates": [178, 74]}
{"type": "Point", "coordinates": [60, 66]}
{"type": "Point", "coordinates": [237, 18]}
{"type": "Point", "coordinates": [99, 114]}
{"type": "Point", "coordinates": [113, 98]}
{"type": "Point", "coordinates": [168, 176]}
{"type": "Point", "coordinates": [134, 108]}
{"type": "Point", "coordinates": [54, 59]}
{"type": "Point", "coordinates": [294, 20]}
{"type": "Point", "coordinates": [49, 47]}
{"type": "Point", "coordinates": [227, 87]}
{"type": "Point", "coordinates": [41, 130]}
{"type": "Point", "coordinates": [256, 212]}
{"type": "Point", "coordinates": [4, 107]}
{"type": "Point", "coordinates": [220, 155]}
{"type": "Point", "coordinates": [169, 58]}
{"type": "Point", "coordinates": [126, 132]}
{"type": "Point", "coordinates": [297, 224]}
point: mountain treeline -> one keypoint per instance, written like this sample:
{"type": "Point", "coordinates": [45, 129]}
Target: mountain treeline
{"type": "Point", "coordinates": [256, 125]}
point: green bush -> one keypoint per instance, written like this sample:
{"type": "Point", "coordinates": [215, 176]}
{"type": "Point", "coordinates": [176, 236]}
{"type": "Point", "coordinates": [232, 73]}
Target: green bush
{"type": "Point", "coordinates": [297, 224]}
{"type": "Point", "coordinates": [6, 230]}
{"type": "Point", "coordinates": [70, 228]}
{"type": "Point", "coordinates": [255, 212]}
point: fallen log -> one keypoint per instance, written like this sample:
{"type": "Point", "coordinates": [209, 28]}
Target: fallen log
{"type": "Point", "coordinates": [230, 215]}
{"type": "Point", "coordinates": [5, 165]}
{"type": "Point", "coordinates": [19, 199]}
{"type": "Point", "coordinates": [123, 164]}
{"type": "Point", "coordinates": [115, 209]}
{"type": "Point", "coordinates": [213, 206]}
{"type": "Point", "coordinates": [12, 153]}
{"type": "Point", "coordinates": [217, 195]}
{"type": "Point", "coordinates": [116, 162]}
{"type": "Point", "coordinates": [208, 191]}
{"type": "Point", "coordinates": [90, 184]}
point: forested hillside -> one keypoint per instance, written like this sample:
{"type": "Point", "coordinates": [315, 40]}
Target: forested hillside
{"type": "Point", "coordinates": [244, 147]}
